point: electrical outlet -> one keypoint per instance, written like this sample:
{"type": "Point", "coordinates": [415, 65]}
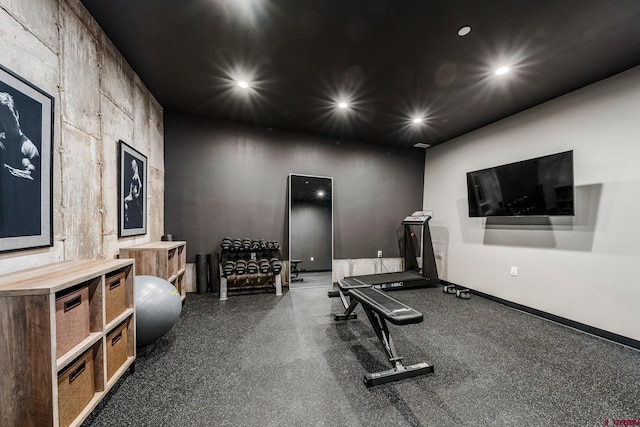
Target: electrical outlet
{"type": "Point", "coordinates": [379, 254]}
{"type": "Point", "coordinates": [514, 270]}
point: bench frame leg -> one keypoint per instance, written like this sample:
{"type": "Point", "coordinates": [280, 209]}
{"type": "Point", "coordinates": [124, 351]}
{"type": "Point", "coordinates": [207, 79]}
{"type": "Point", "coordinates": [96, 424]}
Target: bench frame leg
{"type": "Point", "coordinates": [349, 307]}
{"type": "Point", "coordinates": [398, 370]}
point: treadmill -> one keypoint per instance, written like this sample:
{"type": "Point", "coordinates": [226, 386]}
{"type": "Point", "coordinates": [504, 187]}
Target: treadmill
{"type": "Point", "coordinates": [413, 276]}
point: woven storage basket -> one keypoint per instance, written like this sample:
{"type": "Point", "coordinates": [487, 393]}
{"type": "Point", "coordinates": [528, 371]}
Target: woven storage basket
{"type": "Point", "coordinates": [117, 348]}
{"type": "Point", "coordinates": [76, 387]}
{"type": "Point", "coordinates": [72, 319]}
{"type": "Point", "coordinates": [116, 297]}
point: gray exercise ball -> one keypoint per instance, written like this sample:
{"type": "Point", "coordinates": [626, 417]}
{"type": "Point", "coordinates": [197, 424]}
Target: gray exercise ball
{"type": "Point", "coordinates": [158, 307]}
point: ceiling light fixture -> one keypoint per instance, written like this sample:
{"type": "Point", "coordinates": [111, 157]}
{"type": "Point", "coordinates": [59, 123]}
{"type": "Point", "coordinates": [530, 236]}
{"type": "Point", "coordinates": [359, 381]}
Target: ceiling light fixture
{"type": "Point", "coordinates": [343, 105]}
{"type": "Point", "coordinates": [502, 70]}
{"type": "Point", "coordinates": [243, 84]}
{"type": "Point", "coordinates": [463, 31]}
{"type": "Point", "coordinates": [417, 120]}
{"type": "Point", "coordinates": [421, 145]}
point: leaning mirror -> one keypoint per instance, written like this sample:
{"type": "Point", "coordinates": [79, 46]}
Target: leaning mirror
{"type": "Point", "coordinates": [310, 231]}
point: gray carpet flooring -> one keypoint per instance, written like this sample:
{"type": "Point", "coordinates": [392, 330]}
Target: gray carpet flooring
{"type": "Point", "coordinates": [263, 360]}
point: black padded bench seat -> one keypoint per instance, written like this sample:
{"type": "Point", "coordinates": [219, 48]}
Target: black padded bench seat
{"type": "Point", "coordinates": [387, 307]}
{"type": "Point", "coordinates": [380, 308]}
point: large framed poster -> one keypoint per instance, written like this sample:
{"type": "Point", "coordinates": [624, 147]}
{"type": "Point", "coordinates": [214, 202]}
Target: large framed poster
{"type": "Point", "coordinates": [133, 200]}
{"type": "Point", "coordinates": [26, 164]}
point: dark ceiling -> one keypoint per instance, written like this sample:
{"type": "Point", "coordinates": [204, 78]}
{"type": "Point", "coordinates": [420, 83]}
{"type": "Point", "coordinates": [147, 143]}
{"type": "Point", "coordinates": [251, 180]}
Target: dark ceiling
{"type": "Point", "coordinates": [390, 59]}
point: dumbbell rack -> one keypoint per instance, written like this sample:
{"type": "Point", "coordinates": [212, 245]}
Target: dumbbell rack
{"type": "Point", "coordinates": [243, 278]}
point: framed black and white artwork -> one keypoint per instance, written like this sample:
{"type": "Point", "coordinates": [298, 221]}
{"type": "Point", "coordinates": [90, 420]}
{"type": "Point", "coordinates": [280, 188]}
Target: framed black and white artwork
{"type": "Point", "coordinates": [132, 216]}
{"type": "Point", "coordinates": [26, 164]}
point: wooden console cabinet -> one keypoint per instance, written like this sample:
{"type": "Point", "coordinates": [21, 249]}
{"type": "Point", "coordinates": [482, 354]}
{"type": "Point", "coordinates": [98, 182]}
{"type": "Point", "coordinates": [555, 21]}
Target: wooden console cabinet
{"type": "Point", "coordinates": [67, 333]}
{"type": "Point", "coordinates": [167, 260]}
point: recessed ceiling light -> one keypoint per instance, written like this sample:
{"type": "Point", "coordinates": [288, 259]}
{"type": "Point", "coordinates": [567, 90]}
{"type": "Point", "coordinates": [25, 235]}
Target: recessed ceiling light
{"type": "Point", "coordinates": [243, 84]}
{"type": "Point", "coordinates": [417, 120]}
{"type": "Point", "coordinates": [463, 31]}
{"type": "Point", "coordinates": [421, 145]}
{"type": "Point", "coordinates": [343, 105]}
{"type": "Point", "coordinates": [502, 70]}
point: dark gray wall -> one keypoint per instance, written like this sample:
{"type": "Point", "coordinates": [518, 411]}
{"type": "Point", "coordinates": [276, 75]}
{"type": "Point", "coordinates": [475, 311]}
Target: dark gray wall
{"type": "Point", "coordinates": [225, 179]}
{"type": "Point", "coordinates": [311, 235]}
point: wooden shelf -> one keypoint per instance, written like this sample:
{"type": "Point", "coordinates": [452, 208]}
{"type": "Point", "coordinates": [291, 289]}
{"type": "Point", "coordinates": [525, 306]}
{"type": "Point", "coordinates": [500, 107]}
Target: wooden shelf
{"type": "Point", "coordinates": [76, 351]}
{"type": "Point", "coordinates": [166, 260]}
{"type": "Point", "coordinates": [115, 322]}
{"type": "Point", "coordinates": [62, 389]}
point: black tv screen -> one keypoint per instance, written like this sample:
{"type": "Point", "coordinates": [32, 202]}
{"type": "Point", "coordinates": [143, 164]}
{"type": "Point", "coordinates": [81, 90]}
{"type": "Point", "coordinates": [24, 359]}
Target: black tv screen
{"type": "Point", "coordinates": [540, 186]}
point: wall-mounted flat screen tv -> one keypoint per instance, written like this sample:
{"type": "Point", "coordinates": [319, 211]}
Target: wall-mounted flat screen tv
{"type": "Point", "coordinates": [540, 186]}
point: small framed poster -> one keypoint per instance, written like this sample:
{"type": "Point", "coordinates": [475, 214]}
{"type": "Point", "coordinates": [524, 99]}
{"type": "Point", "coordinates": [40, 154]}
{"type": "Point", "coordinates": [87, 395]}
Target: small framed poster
{"type": "Point", "coordinates": [132, 216]}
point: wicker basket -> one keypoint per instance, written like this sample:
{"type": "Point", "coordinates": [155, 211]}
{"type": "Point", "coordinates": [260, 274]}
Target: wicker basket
{"type": "Point", "coordinates": [72, 319]}
{"type": "Point", "coordinates": [117, 348]}
{"type": "Point", "coordinates": [115, 295]}
{"type": "Point", "coordinates": [76, 387]}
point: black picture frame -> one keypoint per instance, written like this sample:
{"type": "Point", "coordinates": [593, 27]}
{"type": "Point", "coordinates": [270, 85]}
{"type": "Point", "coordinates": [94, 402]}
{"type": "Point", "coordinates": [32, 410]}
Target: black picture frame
{"type": "Point", "coordinates": [26, 164]}
{"type": "Point", "coordinates": [132, 194]}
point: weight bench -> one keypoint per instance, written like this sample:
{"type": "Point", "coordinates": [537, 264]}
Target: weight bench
{"type": "Point", "coordinates": [380, 307]}
{"type": "Point", "coordinates": [295, 271]}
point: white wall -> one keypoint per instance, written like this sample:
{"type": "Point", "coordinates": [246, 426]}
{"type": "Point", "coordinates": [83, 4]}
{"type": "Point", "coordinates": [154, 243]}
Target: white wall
{"type": "Point", "coordinates": [585, 268]}
{"type": "Point", "coordinates": [57, 46]}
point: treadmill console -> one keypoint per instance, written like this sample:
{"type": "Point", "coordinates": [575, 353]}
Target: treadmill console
{"type": "Point", "coordinates": [418, 218]}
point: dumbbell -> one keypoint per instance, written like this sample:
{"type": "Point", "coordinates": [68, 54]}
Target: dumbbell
{"type": "Point", "coordinates": [228, 268]}
{"type": "Point", "coordinates": [449, 289]}
{"type": "Point", "coordinates": [246, 244]}
{"type": "Point", "coordinates": [252, 266]}
{"type": "Point", "coordinates": [263, 244]}
{"type": "Point", "coordinates": [460, 293]}
{"type": "Point", "coordinates": [276, 266]}
{"type": "Point", "coordinates": [264, 266]}
{"type": "Point", "coordinates": [227, 243]}
{"type": "Point", "coordinates": [237, 244]}
{"type": "Point", "coordinates": [255, 244]}
{"type": "Point", "coordinates": [241, 266]}
{"type": "Point", "coordinates": [463, 293]}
